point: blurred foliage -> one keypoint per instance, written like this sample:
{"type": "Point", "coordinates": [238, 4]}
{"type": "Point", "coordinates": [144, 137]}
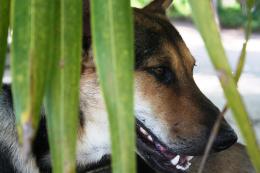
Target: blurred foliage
{"type": "Point", "coordinates": [180, 10]}
{"type": "Point", "coordinates": [139, 3]}
{"type": "Point", "coordinates": [204, 19]}
{"type": "Point", "coordinates": [231, 15]}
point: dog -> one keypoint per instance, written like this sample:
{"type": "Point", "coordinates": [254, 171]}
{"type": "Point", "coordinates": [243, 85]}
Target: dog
{"type": "Point", "coordinates": [173, 117]}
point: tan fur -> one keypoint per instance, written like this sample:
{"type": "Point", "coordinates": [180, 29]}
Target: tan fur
{"type": "Point", "coordinates": [163, 99]}
{"type": "Point", "coordinates": [178, 114]}
{"type": "Point", "coordinates": [232, 160]}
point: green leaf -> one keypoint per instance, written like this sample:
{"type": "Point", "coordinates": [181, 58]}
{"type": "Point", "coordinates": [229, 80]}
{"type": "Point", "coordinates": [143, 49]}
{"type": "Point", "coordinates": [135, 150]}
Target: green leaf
{"type": "Point", "coordinates": [250, 4]}
{"type": "Point", "coordinates": [4, 23]}
{"type": "Point", "coordinates": [242, 57]}
{"type": "Point", "coordinates": [21, 25]}
{"type": "Point", "coordinates": [62, 93]}
{"type": "Point", "coordinates": [204, 19]}
{"type": "Point", "coordinates": [112, 31]}
{"type": "Point", "coordinates": [32, 25]}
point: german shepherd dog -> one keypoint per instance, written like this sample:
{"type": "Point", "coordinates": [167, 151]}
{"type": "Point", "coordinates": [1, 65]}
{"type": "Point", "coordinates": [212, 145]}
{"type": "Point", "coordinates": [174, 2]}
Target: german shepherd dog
{"type": "Point", "coordinates": [173, 117]}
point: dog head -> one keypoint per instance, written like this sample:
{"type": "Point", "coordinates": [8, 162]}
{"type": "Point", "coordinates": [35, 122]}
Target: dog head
{"type": "Point", "coordinates": [173, 117]}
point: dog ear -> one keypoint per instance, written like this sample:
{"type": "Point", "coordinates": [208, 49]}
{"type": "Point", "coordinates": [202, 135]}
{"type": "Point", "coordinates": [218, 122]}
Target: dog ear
{"type": "Point", "coordinates": [159, 6]}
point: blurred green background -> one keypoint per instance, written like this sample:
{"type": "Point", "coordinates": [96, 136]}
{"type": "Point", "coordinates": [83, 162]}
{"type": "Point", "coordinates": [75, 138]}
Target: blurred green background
{"type": "Point", "coordinates": [229, 12]}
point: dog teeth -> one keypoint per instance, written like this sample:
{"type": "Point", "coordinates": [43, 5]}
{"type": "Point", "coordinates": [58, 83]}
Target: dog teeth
{"type": "Point", "coordinates": [188, 165]}
{"type": "Point", "coordinates": [180, 167]}
{"type": "Point", "coordinates": [150, 138]}
{"type": "Point", "coordinates": [175, 160]}
{"type": "Point", "coordinates": [143, 131]}
{"type": "Point", "coordinates": [185, 167]}
{"type": "Point", "coordinates": [189, 158]}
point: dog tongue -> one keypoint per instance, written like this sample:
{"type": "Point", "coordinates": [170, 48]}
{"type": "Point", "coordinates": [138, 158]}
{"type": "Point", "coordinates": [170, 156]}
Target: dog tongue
{"type": "Point", "coordinates": [169, 154]}
{"type": "Point", "coordinates": [164, 151]}
{"type": "Point", "coordinates": [160, 147]}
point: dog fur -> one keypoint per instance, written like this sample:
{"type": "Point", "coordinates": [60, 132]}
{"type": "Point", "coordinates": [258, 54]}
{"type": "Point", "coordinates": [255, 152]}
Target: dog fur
{"type": "Point", "coordinates": [168, 104]}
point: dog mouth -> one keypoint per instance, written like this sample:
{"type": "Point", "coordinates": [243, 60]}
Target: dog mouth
{"type": "Point", "coordinates": [157, 154]}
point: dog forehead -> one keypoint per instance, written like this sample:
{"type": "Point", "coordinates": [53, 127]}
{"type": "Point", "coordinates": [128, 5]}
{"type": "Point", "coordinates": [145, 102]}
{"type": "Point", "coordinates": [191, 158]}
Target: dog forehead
{"type": "Point", "coordinates": [152, 33]}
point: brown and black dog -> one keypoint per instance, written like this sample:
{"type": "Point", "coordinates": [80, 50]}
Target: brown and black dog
{"type": "Point", "coordinates": [173, 117]}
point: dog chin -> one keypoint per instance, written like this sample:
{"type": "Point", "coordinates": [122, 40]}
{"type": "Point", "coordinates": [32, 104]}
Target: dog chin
{"type": "Point", "coordinates": [157, 155]}
{"type": "Point", "coordinates": [94, 143]}
{"type": "Point", "coordinates": [92, 158]}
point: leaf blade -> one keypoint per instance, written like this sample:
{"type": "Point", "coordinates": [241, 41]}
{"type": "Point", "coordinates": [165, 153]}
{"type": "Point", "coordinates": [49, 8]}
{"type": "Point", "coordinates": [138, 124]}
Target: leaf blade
{"type": "Point", "coordinates": [20, 50]}
{"type": "Point", "coordinates": [203, 17]}
{"type": "Point", "coordinates": [4, 24]}
{"type": "Point", "coordinates": [114, 60]}
{"type": "Point", "coordinates": [64, 84]}
{"type": "Point", "coordinates": [32, 25]}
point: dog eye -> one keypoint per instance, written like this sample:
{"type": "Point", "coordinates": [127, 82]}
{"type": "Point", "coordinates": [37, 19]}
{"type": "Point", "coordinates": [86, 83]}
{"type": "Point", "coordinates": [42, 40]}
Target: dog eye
{"type": "Point", "coordinates": [162, 74]}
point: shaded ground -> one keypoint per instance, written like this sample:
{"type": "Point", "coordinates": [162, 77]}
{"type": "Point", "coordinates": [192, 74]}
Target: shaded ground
{"type": "Point", "coordinates": [249, 84]}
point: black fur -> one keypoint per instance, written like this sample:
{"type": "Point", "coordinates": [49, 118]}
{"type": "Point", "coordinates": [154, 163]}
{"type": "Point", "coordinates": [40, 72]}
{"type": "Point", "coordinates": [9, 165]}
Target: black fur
{"type": "Point", "coordinates": [41, 146]}
{"type": "Point", "coordinates": [147, 42]}
{"type": "Point", "coordinates": [6, 165]}
{"type": "Point", "coordinates": [40, 143]}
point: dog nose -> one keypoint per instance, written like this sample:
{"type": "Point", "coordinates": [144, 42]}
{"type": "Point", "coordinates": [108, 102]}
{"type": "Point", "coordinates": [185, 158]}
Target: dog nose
{"type": "Point", "coordinates": [225, 139]}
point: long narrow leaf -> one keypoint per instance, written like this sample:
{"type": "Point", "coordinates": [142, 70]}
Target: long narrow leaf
{"type": "Point", "coordinates": [203, 17]}
{"type": "Point", "coordinates": [52, 98]}
{"type": "Point", "coordinates": [30, 60]}
{"type": "Point", "coordinates": [39, 56]}
{"type": "Point", "coordinates": [248, 30]}
{"type": "Point", "coordinates": [21, 25]}
{"type": "Point", "coordinates": [112, 32]}
{"type": "Point", "coordinates": [4, 23]}
{"type": "Point", "coordinates": [62, 96]}
{"type": "Point", "coordinates": [239, 69]}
